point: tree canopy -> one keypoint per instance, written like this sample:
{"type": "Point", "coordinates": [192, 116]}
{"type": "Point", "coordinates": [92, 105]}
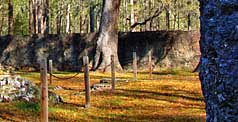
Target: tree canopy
{"type": "Point", "coordinates": [135, 15]}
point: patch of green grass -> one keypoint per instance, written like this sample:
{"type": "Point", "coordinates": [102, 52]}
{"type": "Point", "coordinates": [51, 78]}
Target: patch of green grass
{"type": "Point", "coordinates": [28, 107]}
{"type": "Point", "coordinates": [114, 102]}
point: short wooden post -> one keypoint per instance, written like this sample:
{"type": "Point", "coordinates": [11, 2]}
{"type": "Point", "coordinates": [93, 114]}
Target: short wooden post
{"type": "Point", "coordinates": [113, 72]}
{"type": "Point", "coordinates": [135, 66]}
{"type": "Point", "coordinates": [51, 70]}
{"type": "Point", "coordinates": [150, 64]}
{"type": "Point", "coordinates": [44, 91]}
{"type": "Point", "coordinates": [86, 82]}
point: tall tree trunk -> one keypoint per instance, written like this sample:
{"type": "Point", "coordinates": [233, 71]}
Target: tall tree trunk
{"type": "Point", "coordinates": [219, 55]}
{"type": "Point", "coordinates": [108, 36]}
{"type": "Point", "coordinates": [92, 17]}
{"type": "Point", "coordinates": [63, 24]}
{"type": "Point", "coordinates": [175, 13]}
{"type": "Point", "coordinates": [151, 25]}
{"type": "Point", "coordinates": [158, 23]}
{"type": "Point", "coordinates": [132, 14]}
{"type": "Point", "coordinates": [42, 16]}
{"type": "Point", "coordinates": [1, 27]}
{"type": "Point", "coordinates": [30, 3]}
{"type": "Point", "coordinates": [68, 28]}
{"type": "Point", "coordinates": [97, 16]}
{"type": "Point", "coordinates": [175, 18]}
{"type": "Point", "coordinates": [87, 24]}
{"type": "Point", "coordinates": [10, 17]}
{"type": "Point", "coordinates": [59, 20]}
{"type": "Point", "coordinates": [150, 11]}
{"type": "Point", "coordinates": [81, 16]}
{"type": "Point", "coordinates": [35, 22]}
{"type": "Point", "coordinates": [97, 22]}
{"type": "Point", "coordinates": [39, 17]}
{"type": "Point", "coordinates": [125, 16]}
{"type": "Point", "coordinates": [178, 21]}
{"type": "Point", "coordinates": [145, 13]}
{"type": "Point", "coordinates": [167, 19]}
{"type": "Point", "coordinates": [58, 24]}
{"type": "Point", "coordinates": [2, 17]}
{"type": "Point", "coordinates": [189, 21]}
{"type": "Point", "coordinates": [46, 17]}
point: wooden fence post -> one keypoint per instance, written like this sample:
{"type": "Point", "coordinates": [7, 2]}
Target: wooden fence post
{"type": "Point", "coordinates": [86, 82]}
{"type": "Point", "coordinates": [150, 64]}
{"type": "Point", "coordinates": [44, 91]}
{"type": "Point", "coordinates": [51, 70]}
{"type": "Point", "coordinates": [135, 66]}
{"type": "Point", "coordinates": [113, 72]}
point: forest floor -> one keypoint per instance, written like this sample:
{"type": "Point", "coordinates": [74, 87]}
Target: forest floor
{"type": "Point", "coordinates": [170, 96]}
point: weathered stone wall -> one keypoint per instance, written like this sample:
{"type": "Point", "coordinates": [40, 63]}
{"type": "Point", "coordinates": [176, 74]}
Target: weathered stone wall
{"type": "Point", "coordinates": [177, 49]}
{"type": "Point", "coordinates": [170, 50]}
{"type": "Point", "coordinates": [219, 59]}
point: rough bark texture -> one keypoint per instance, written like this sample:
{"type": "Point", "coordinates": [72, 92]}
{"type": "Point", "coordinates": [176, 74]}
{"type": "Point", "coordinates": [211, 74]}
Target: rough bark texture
{"type": "Point", "coordinates": [108, 36]}
{"type": "Point", "coordinates": [219, 59]}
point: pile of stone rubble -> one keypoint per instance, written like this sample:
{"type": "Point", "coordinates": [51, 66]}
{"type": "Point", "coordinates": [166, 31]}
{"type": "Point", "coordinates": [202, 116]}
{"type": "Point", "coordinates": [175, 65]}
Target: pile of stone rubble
{"type": "Point", "coordinates": [16, 88]}
{"type": "Point", "coordinates": [103, 85]}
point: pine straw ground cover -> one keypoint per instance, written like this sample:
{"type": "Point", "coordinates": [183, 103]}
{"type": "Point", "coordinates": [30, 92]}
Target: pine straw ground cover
{"type": "Point", "coordinates": [169, 97]}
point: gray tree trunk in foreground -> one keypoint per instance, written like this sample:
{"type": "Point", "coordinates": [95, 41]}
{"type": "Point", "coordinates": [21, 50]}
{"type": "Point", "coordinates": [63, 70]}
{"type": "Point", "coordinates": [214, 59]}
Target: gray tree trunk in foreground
{"type": "Point", "coordinates": [219, 59]}
{"type": "Point", "coordinates": [108, 36]}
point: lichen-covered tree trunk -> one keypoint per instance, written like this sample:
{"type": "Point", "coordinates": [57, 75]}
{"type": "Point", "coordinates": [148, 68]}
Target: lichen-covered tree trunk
{"type": "Point", "coordinates": [108, 36]}
{"type": "Point", "coordinates": [219, 59]}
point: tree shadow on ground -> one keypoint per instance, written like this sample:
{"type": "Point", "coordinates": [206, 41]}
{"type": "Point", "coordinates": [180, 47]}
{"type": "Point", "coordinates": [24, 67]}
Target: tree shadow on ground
{"type": "Point", "coordinates": [150, 118]}
{"type": "Point", "coordinates": [156, 95]}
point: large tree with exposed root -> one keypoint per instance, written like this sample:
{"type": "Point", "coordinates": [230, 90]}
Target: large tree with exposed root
{"type": "Point", "coordinates": [107, 43]}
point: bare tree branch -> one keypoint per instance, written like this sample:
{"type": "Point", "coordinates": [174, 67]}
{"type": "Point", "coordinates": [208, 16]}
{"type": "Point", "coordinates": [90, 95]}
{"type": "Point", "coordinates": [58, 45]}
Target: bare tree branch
{"type": "Point", "coordinates": [156, 14]}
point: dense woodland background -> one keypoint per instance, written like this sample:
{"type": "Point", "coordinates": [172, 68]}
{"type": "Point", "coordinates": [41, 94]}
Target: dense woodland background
{"type": "Point", "coordinates": [83, 16]}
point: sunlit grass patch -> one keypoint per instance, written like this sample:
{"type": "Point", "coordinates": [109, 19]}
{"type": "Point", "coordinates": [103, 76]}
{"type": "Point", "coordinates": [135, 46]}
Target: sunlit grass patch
{"type": "Point", "coordinates": [166, 97]}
